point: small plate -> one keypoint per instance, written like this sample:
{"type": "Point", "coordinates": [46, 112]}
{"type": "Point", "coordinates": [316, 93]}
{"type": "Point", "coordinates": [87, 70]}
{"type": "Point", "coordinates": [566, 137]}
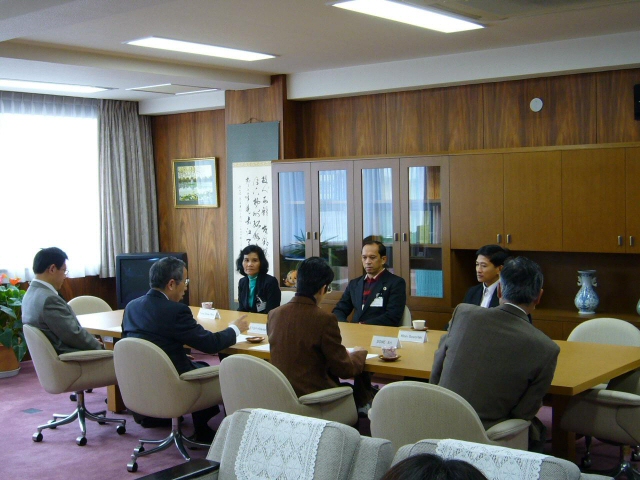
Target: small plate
{"type": "Point", "coordinates": [420, 329]}
{"type": "Point", "coordinates": [389, 359]}
{"type": "Point", "coordinates": [255, 339]}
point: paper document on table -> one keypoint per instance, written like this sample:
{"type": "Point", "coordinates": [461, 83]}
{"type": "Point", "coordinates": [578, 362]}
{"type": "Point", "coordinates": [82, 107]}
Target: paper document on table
{"type": "Point", "coordinates": [261, 348]}
{"type": "Point", "coordinates": [369, 355]}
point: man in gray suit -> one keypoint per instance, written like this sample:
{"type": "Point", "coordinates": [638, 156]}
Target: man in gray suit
{"type": "Point", "coordinates": [495, 359]}
{"type": "Point", "coordinates": [43, 308]}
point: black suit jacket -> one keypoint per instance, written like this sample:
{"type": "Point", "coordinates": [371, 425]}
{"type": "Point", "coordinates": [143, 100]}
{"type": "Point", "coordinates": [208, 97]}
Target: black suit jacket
{"type": "Point", "coordinates": [170, 325]}
{"type": "Point", "coordinates": [474, 296]}
{"type": "Point", "coordinates": [267, 289]}
{"type": "Point", "coordinates": [390, 287]}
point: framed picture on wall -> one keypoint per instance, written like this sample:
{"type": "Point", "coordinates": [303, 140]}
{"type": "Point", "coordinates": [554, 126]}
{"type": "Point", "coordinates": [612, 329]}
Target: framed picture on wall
{"type": "Point", "coordinates": [195, 183]}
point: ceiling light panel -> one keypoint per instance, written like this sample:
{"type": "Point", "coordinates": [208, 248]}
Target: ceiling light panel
{"type": "Point", "coordinates": [402, 12]}
{"type": "Point", "coordinates": [49, 87]}
{"type": "Point", "coordinates": [199, 49]}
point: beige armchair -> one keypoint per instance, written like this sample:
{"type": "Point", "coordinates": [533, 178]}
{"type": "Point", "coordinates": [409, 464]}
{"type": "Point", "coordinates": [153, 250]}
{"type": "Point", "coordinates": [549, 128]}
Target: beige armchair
{"type": "Point", "coordinates": [340, 454]}
{"type": "Point", "coordinates": [150, 385]}
{"type": "Point", "coordinates": [71, 372]}
{"type": "Point", "coordinates": [481, 455]}
{"type": "Point", "coordinates": [406, 318]}
{"type": "Point", "coordinates": [250, 382]}
{"type": "Point", "coordinates": [405, 412]}
{"type": "Point", "coordinates": [88, 304]}
{"type": "Point", "coordinates": [286, 296]}
{"type": "Point", "coordinates": [610, 412]}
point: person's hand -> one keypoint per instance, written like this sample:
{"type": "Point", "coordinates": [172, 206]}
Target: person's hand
{"type": "Point", "coordinates": [241, 323]}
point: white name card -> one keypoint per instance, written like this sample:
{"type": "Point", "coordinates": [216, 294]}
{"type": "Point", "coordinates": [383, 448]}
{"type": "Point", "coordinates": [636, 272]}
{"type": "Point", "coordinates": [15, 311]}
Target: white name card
{"type": "Point", "coordinates": [411, 336]}
{"type": "Point", "coordinates": [380, 342]}
{"type": "Point", "coordinates": [208, 314]}
{"type": "Point", "coordinates": [258, 328]}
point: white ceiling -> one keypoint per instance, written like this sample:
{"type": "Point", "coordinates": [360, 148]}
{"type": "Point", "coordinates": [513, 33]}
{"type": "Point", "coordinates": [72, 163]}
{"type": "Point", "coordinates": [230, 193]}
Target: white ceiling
{"type": "Point", "coordinates": [325, 51]}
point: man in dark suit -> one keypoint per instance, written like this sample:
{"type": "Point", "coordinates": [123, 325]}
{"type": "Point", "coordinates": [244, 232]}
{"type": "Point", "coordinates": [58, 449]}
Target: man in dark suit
{"type": "Point", "coordinates": [378, 297]}
{"type": "Point", "coordinates": [160, 318]}
{"type": "Point", "coordinates": [495, 359]}
{"type": "Point", "coordinates": [489, 262]}
{"type": "Point", "coordinates": [305, 341]}
{"type": "Point", "coordinates": [45, 309]}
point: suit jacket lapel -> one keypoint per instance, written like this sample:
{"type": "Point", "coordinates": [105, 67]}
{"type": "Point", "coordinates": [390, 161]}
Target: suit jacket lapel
{"type": "Point", "coordinates": [377, 288]}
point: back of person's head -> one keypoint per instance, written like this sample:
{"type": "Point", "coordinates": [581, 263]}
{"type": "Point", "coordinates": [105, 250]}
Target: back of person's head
{"type": "Point", "coordinates": [382, 250]}
{"type": "Point", "coordinates": [495, 253]}
{"type": "Point", "coordinates": [521, 281]}
{"type": "Point", "coordinates": [313, 274]}
{"type": "Point", "coordinates": [47, 257]}
{"type": "Point", "coordinates": [264, 263]}
{"type": "Point", "coordinates": [426, 466]}
{"type": "Point", "coordinates": [164, 270]}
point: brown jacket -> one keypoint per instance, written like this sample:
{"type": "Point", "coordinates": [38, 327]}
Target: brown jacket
{"type": "Point", "coordinates": [306, 346]}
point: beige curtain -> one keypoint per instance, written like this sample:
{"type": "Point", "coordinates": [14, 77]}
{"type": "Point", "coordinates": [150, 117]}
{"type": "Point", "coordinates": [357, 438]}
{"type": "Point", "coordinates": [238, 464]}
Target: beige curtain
{"type": "Point", "coordinates": [129, 219]}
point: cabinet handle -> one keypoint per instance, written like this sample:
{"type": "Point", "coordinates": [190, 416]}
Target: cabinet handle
{"type": "Point", "coordinates": [499, 238]}
{"type": "Point", "coordinates": [620, 241]}
{"type": "Point", "coordinates": [395, 237]}
{"type": "Point", "coordinates": [631, 241]}
{"type": "Point", "coordinates": [508, 238]}
{"type": "Point", "coordinates": [404, 237]}
{"type": "Point", "coordinates": [315, 235]}
{"type": "Point", "coordinates": [308, 235]}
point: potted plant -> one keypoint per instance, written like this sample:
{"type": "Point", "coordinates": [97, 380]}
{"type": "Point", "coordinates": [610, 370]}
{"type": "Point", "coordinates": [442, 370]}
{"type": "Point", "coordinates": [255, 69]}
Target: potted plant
{"type": "Point", "coordinates": [12, 344]}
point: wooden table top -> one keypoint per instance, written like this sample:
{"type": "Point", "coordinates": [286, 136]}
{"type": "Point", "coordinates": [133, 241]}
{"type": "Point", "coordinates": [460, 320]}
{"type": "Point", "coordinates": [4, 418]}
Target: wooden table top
{"type": "Point", "coordinates": [580, 365]}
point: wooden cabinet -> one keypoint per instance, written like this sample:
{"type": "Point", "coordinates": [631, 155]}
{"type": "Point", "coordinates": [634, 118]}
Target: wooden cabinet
{"type": "Point", "coordinates": [633, 200]}
{"type": "Point", "coordinates": [511, 199]}
{"type": "Point", "coordinates": [593, 199]}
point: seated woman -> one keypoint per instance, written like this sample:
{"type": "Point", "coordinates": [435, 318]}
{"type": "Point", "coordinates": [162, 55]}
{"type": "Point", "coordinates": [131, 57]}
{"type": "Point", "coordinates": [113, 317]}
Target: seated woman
{"type": "Point", "coordinates": [258, 291]}
{"type": "Point", "coordinates": [489, 262]}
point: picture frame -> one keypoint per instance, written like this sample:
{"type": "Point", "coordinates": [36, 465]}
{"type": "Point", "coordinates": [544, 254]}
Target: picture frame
{"type": "Point", "coordinates": [195, 183]}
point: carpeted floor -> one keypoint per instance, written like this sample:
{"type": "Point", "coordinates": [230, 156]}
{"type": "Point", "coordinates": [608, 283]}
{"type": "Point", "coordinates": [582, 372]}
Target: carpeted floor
{"type": "Point", "coordinates": [24, 405]}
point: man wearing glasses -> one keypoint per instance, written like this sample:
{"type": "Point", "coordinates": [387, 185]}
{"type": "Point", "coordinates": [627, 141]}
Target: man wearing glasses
{"type": "Point", "coordinates": [160, 318]}
{"type": "Point", "coordinates": [45, 309]}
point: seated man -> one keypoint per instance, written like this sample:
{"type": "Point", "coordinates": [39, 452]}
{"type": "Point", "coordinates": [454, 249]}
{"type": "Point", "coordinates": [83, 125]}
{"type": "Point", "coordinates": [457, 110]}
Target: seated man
{"type": "Point", "coordinates": [489, 262]}
{"type": "Point", "coordinates": [160, 318]}
{"type": "Point", "coordinates": [378, 297]}
{"type": "Point", "coordinates": [45, 309]}
{"type": "Point", "coordinates": [495, 359]}
{"type": "Point", "coordinates": [305, 341]}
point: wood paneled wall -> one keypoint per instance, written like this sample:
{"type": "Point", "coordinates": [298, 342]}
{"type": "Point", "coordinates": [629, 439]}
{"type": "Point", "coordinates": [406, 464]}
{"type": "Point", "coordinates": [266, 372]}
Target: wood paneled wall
{"type": "Point", "coordinates": [615, 106]}
{"type": "Point", "coordinates": [201, 232]}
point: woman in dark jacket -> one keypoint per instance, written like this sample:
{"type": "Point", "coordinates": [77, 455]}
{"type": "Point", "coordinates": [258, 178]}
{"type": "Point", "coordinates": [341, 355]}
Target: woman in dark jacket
{"type": "Point", "coordinates": [258, 291]}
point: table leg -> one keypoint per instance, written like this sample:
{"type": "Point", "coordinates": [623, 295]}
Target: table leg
{"type": "Point", "coordinates": [563, 443]}
{"type": "Point", "coordinates": [114, 399]}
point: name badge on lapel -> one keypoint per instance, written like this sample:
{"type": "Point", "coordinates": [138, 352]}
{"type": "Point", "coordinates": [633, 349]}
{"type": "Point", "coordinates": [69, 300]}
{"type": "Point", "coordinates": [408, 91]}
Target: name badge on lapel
{"type": "Point", "coordinates": [260, 305]}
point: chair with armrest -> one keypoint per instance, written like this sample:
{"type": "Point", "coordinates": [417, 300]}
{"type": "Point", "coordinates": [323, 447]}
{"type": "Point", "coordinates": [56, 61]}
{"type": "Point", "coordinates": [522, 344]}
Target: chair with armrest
{"type": "Point", "coordinates": [88, 304]}
{"type": "Point", "coordinates": [406, 318]}
{"type": "Point", "coordinates": [150, 385]}
{"type": "Point", "coordinates": [610, 412]}
{"type": "Point", "coordinates": [496, 462]}
{"type": "Point", "coordinates": [241, 376]}
{"type": "Point", "coordinates": [71, 372]}
{"type": "Point", "coordinates": [286, 296]}
{"type": "Point", "coordinates": [267, 443]}
{"type": "Point", "coordinates": [405, 412]}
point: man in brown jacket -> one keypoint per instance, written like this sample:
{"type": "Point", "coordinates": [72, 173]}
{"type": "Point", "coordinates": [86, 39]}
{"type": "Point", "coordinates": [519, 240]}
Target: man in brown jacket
{"type": "Point", "coordinates": [305, 341]}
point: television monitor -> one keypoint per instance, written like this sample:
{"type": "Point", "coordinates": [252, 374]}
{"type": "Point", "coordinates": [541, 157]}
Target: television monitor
{"type": "Point", "coordinates": [132, 274]}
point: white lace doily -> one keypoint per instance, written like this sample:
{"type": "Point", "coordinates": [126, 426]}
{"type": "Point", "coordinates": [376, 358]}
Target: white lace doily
{"type": "Point", "coordinates": [496, 463]}
{"type": "Point", "coordinates": [278, 445]}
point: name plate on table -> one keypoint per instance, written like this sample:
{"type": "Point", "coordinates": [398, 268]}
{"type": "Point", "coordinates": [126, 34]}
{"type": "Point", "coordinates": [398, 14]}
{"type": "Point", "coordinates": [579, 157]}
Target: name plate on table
{"type": "Point", "coordinates": [380, 342]}
{"type": "Point", "coordinates": [208, 314]}
{"type": "Point", "coordinates": [258, 328]}
{"type": "Point", "coordinates": [411, 336]}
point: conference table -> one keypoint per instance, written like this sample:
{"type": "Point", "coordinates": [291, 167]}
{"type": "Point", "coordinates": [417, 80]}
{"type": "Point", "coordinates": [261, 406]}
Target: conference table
{"type": "Point", "coordinates": [581, 366]}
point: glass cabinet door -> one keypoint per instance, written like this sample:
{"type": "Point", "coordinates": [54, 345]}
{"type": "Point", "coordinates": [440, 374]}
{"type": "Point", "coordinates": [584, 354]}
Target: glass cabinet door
{"type": "Point", "coordinates": [331, 238]}
{"type": "Point", "coordinates": [424, 227]}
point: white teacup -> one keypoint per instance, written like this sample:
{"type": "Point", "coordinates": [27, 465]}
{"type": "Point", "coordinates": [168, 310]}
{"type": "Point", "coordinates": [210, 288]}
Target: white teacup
{"type": "Point", "coordinates": [389, 352]}
{"type": "Point", "coordinates": [419, 324]}
{"type": "Point", "coordinates": [207, 305]}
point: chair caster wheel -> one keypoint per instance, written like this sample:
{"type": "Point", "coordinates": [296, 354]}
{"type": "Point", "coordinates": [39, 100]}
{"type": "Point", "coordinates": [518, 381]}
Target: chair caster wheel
{"type": "Point", "coordinates": [121, 430]}
{"type": "Point", "coordinates": [138, 450]}
{"type": "Point", "coordinates": [37, 437]}
{"type": "Point", "coordinates": [81, 441]}
{"type": "Point", "coordinates": [635, 456]}
{"type": "Point", "coordinates": [586, 463]}
{"type": "Point", "coordinates": [89, 390]}
{"type": "Point", "coordinates": [132, 467]}
{"type": "Point", "coordinates": [73, 397]}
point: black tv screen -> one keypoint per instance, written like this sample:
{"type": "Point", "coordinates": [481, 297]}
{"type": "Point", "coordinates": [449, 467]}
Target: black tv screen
{"type": "Point", "coordinates": [132, 274]}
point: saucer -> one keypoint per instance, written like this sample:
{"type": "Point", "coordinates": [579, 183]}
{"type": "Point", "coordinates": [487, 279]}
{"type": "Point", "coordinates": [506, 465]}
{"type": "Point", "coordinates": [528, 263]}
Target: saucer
{"type": "Point", "coordinates": [420, 329]}
{"type": "Point", "coordinates": [255, 339]}
{"type": "Point", "coordinates": [389, 359]}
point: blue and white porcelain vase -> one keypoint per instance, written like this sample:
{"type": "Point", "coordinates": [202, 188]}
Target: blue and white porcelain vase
{"type": "Point", "coordinates": [587, 299]}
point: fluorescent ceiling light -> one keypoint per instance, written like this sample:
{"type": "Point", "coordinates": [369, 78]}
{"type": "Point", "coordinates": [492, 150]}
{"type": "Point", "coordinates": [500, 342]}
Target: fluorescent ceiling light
{"type": "Point", "coordinates": [199, 49]}
{"type": "Point", "coordinates": [50, 87]}
{"type": "Point", "coordinates": [401, 12]}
